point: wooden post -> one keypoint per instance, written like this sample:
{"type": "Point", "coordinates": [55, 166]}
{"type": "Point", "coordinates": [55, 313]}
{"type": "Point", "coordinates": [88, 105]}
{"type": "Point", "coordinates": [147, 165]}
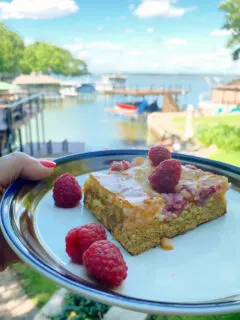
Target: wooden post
{"type": "Point", "coordinates": [43, 127]}
{"type": "Point", "coordinates": [30, 138]}
{"type": "Point", "coordinates": [169, 104]}
{"type": "Point", "coordinates": [37, 125]}
{"type": "Point", "coordinates": [49, 147]}
{"type": "Point", "coordinates": [20, 139]}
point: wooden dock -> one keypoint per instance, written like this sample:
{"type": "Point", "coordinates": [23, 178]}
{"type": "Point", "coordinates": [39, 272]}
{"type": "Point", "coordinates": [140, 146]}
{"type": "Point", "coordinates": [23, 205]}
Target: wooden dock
{"type": "Point", "coordinates": [145, 92]}
{"type": "Point", "coordinates": [170, 103]}
{"type": "Point", "coordinates": [53, 149]}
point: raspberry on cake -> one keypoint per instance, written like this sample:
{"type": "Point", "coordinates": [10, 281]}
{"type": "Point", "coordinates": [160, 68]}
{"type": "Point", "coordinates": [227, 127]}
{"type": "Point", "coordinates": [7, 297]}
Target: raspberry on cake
{"type": "Point", "coordinates": [144, 204]}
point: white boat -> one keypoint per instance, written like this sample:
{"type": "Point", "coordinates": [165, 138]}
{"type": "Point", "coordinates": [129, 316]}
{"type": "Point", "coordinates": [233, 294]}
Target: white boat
{"type": "Point", "coordinates": [68, 89]}
{"type": "Point", "coordinates": [111, 81]}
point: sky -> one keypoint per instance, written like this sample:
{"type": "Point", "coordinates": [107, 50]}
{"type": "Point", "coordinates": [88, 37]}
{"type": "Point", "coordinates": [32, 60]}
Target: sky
{"type": "Point", "coordinates": [154, 36]}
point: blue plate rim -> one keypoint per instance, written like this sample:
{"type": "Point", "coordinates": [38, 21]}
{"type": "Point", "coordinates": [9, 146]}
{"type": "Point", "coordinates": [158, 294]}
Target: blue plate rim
{"type": "Point", "coordinates": [114, 298]}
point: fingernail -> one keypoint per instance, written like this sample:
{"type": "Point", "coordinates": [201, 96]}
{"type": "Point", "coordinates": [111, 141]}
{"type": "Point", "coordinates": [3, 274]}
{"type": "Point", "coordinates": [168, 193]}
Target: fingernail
{"type": "Point", "coordinates": [48, 164]}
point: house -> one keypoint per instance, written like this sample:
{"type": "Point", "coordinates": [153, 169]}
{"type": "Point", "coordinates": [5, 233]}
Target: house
{"type": "Point", "coordinates": [37, 82]}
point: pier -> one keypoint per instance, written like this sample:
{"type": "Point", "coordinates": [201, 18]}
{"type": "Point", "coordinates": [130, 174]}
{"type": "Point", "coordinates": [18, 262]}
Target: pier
{"type": "Point", "coordinates": [170, 96]}
{"type": "Point", "coordinates": [18, 122]}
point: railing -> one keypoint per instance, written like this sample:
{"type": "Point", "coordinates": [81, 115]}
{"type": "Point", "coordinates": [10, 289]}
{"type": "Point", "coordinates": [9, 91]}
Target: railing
{"type": "Point", "coordinates": [16, 116]}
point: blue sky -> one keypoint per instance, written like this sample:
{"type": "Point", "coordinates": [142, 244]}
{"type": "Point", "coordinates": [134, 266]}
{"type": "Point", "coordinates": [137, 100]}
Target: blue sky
{"type": "Point", "coordinates": [129, 35]}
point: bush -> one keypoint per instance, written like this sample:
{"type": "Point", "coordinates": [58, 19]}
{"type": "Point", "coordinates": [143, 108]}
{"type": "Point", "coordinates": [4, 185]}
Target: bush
{"type": "Point", "coordinates": [78, 308]}
{"type": "Point", "coordinates": [226, 137]}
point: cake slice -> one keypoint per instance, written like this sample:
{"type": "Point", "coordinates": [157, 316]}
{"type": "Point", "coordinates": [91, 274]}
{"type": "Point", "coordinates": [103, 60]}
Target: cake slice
{"type": "Point", "coordinates": [140, 217]}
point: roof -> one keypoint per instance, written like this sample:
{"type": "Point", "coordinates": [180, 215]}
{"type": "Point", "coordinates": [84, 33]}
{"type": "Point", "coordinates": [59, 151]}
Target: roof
{"type": "Point", "coordinates": [228, 87]}
{"type": "Point", "coordinates": [35, 78]}
{"type": "Point", "coordinates": [4, 86]}
{"type": "Point", "coordinates": [234, 82]}
{"type": "Point", "coordinates": [234, 85]}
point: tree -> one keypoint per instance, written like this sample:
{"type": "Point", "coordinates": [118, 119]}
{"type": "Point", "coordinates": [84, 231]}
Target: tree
{"type": "Point", "coordinates": [11, 51]}
{"type": "Point", "coordinates": [47, 58]}
{"type": "Point", "coordinates": [232, 9]}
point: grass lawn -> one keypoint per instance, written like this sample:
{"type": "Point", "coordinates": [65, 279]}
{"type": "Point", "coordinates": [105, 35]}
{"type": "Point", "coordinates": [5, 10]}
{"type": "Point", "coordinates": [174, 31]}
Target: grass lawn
{"type": "Point", "coordinates": [232, 119]}
{"type": "Point", "coordinates": [37, 288]}
{"type": "Point", "coordinates": [231, 157]}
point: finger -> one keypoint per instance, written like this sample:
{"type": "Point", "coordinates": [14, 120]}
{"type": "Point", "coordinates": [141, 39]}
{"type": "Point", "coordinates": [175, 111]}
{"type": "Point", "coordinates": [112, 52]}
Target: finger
{"type": "Point", "coordinates": [19, 165]}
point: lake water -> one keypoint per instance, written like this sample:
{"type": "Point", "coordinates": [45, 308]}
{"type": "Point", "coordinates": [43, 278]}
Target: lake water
{"type": "Point", "coordinates": [86, 121]}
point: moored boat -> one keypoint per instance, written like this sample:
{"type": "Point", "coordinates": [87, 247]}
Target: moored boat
{"type": "Point", "coordinates": [127, 106]}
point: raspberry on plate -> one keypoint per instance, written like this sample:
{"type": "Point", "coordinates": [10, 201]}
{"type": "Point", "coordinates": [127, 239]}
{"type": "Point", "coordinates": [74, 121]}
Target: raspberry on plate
{"type": "Point", "coordinates": [66, 191]}
{"type": "Point", "coordinates": [79, 239]}
{"type": "Point", "coordinates": [104, 262]}
{"type": "Point", "coordinates": [166, 176]}
{"type": "Point", "coordinates": [120, 165]}
{"type": "Point", "coordinates": [158, 153]}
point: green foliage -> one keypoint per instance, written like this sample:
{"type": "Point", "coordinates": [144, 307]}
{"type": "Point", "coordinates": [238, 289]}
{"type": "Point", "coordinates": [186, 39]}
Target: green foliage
{"type": "Point", "coordinates": [231, 157]}
{"type": "Point", "coordinates": [226, 137]}
{"type": "Point", "coordinates": [77, 308]}
{"type": "Point", "coordinates": [39, 57]}
{"type": "Point", "coordinates": [49, 58]}
{"type": "Point", "coordinates": [36, 287]}
{"type": "Point", "coordinates": [11, 50]}
{"type": "Point", "coordinates": [232, 10]}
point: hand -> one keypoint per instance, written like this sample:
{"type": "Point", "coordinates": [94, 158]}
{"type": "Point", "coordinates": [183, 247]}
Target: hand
{"type": "Point", "coordinates": [13, 166]}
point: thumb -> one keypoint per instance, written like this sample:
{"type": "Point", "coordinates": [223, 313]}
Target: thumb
{"type": "Point", "coordinates": [19, 165]}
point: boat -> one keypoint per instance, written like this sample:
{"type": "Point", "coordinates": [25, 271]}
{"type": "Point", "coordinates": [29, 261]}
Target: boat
{"type": "Point", "coordinates": [86, 88]}
{"type": "Point", "coordinates": [68, 89]}
{"type": "Point", "coordinates": [112, 81]}
{"type": "Point", "coordinates": [127, 106]}
{"type": "Point", "coordinates": [139, 107]}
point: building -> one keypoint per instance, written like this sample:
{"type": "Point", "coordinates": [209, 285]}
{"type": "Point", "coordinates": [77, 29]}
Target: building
{"type": "Point", "coordinates": [222, 99]}
{"type": "Point", "coordinates": [37, 82]}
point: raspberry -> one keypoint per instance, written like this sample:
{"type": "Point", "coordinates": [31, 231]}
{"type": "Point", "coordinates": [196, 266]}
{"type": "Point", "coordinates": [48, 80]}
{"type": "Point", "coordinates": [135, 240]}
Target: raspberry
{"type": "Point", "coordinates": [105, 263]}
{"type": "Point", "coordinates": [158, 154]}
{"type": "Point", "coordinates": [166, 176]}
{"type": "Point", "coordinates": [120, 165]}
{"type": "Point", "coordinates": [79, 239]}
{"type": "Point", "coordinates": [66, 191]}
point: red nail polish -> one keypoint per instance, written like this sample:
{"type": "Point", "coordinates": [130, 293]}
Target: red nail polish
{"type": "Point", "coordinates": [48, 164]}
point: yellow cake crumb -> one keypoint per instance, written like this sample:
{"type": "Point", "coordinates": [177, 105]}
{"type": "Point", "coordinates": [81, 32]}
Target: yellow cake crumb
{"type": "Point", "coordinates": [167, 244]}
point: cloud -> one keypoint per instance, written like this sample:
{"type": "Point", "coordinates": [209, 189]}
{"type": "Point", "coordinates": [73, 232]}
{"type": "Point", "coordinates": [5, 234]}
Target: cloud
{"type": "Point", "coordinates": [36, 9]}
{"type": "Point", "coordinates": [95, 49]}
{"type": "Point", "coordinates": [99, 61]}
{"type": "Point", "coordinates": [106, 56]}
{"type": "Point", "coordinates": [28, 41]}
{"type": "Point", "coordinates": [83, 54]}
{"type": "Point", "coordinates": [219, 61]}
{"type": "Point", "coordinates": [150, 30]}
{"type": "Point", "coordinates": [221, 33]}
{"type": "Point", "coordinates": [103, 45]}
{"type": "Point", "coordinates": [175, 42]}
{"type": "Point", "coordinates": [100, 28]}
{"type": "Point", "coordinates": [140, 52]}
{"type": "Point", "coordinates": [131, 6]}
{"type": "Point", "coordinates": [159, 8]}
{"type": "Point", "coordinates": [129, 30]}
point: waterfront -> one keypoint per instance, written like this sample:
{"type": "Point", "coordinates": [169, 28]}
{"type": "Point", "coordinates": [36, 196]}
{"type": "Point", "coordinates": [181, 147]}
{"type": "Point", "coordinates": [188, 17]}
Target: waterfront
{"type": "Point", "coordinates": [86, 121]}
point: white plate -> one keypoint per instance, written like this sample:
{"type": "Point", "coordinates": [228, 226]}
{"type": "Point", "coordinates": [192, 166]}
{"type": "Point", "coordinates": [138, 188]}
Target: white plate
{"type": "Point", "coordinates": [200, 276]}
